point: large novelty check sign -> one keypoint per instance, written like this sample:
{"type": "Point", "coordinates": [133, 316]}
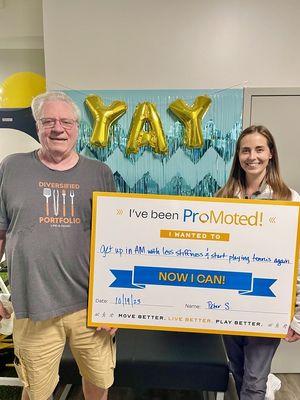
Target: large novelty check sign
{"type": "Point", "coordinates": [193, 264]}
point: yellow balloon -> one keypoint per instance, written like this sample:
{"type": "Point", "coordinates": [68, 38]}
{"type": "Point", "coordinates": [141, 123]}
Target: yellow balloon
{"type": "Point", "coordinates": [153, 137]}
{"type": "Point", "coordinates": [103, 116]}
{"type": "Point", "coordinates": [18, 90]}
{"type": "Point", "coordinates": [192, 117]}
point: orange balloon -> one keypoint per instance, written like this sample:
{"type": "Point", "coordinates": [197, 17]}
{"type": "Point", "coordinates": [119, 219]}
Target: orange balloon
{"type": "Point", "coordinates": [154, 137]}
{"type": "Point", "coordinates": [18, 90]}
{"type": "Point", "coordinates": [103, 116]}
{"type": "Point", "coordinates": [192, 117]}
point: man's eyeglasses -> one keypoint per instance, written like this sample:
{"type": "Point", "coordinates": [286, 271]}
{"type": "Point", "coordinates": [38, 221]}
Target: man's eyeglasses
{"type": "Point", "coordinates": [65, 123]}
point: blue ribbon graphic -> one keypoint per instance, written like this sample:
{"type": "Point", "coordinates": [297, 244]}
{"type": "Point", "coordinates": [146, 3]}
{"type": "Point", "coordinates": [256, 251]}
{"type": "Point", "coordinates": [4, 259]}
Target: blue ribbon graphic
{"type": "Point", "coordinates": [244, 282]}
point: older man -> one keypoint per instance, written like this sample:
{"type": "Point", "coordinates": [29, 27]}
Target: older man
{"type": "Point", "coordinates": [45, 223]}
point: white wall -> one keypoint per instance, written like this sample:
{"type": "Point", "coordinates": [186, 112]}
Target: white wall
{"type": "Point", "coordinates": [21, 37]}
{"type": "Point", "coordinates": [21, 24]}
{"type": "Point", "coordinates": [18, 60]}
{"type": "Point", "coordinates": [142, 44]}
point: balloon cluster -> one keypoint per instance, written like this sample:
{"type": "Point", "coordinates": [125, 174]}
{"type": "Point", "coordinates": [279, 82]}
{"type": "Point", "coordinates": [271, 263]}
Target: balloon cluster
{"type": "Point", "coordinates": [146, 127]}
{"type": "Point", "coordinates": [191, 116]}
{"type": "Point", "coordinates": [104, 117]}
{"type": "Point", "coordinates": [154, 137]}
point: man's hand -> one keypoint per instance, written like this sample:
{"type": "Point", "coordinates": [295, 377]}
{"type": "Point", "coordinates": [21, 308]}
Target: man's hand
{"type": "Point", "coordinates": [108, 329]}
{"type": "Point", "coordinates": [4, 313]}
{"type": "Point", "coordinates": [292, 336]}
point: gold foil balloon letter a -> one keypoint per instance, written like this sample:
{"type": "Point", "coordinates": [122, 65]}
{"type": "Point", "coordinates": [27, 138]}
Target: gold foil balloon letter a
{"type": "Point", "coordinates": [103, 117]}
{"type": "Point", "coordinates": [192, 117]}
{"type": "Point", "coordinates": [146, 130]}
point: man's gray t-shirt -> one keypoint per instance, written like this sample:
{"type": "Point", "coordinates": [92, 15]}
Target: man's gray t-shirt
{"type": "Point", "coordinates": [47, 218]}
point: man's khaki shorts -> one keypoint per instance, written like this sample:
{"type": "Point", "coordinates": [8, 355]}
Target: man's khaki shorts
{"type": "Point", "coordinates": [39, 346]}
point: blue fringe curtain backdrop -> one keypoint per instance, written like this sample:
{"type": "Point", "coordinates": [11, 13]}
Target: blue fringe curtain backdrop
{"type": "Point", "coordinates": [181, 171]}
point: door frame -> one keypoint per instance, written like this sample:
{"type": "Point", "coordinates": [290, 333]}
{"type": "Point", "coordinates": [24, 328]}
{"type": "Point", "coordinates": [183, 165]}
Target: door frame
{"type": "Point", "coordinates": [249, 93]}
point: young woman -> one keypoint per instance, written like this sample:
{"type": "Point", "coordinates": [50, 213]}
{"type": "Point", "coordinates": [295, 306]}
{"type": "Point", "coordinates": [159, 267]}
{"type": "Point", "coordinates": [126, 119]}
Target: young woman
{"type": "Point", "coordinates": [255, 175]}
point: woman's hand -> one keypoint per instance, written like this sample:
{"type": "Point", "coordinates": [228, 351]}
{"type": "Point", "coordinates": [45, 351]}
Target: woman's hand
{"type": "Point", "coordinates": [292, 336]}
{"type": "Point", "coordinates": [4, 312]}
{"type": "Point", "coordinates": [108, 329]}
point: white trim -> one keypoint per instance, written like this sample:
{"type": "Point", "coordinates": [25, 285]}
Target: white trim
{"type": "Point", "coordinates": [8, 381]}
